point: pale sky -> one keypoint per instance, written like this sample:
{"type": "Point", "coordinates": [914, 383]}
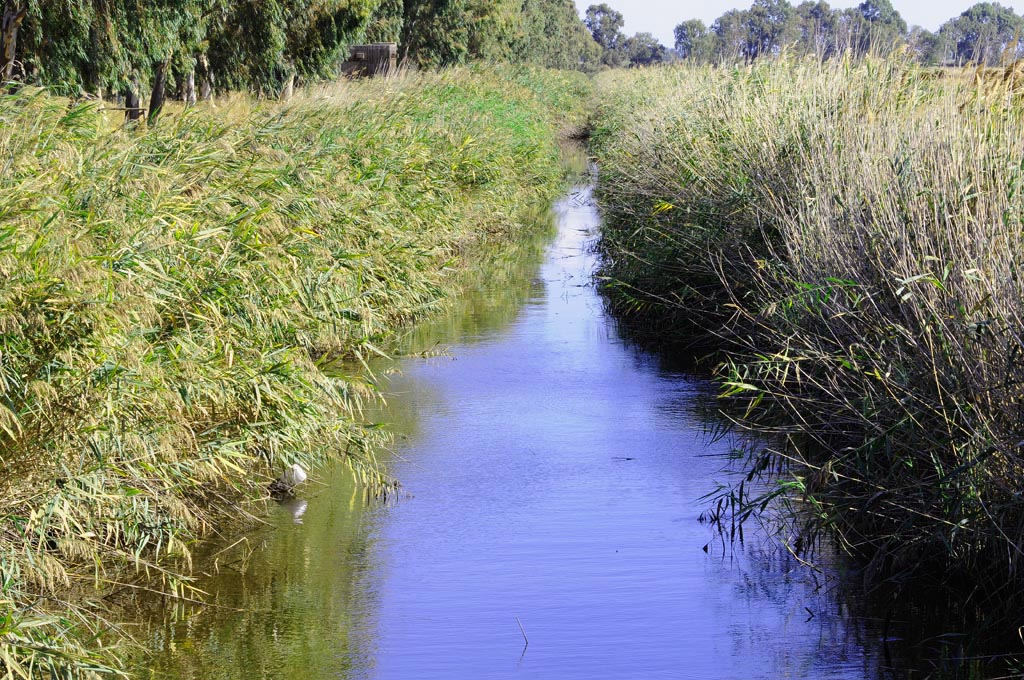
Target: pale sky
{"type": "Point", "coordinates": [661, 16]}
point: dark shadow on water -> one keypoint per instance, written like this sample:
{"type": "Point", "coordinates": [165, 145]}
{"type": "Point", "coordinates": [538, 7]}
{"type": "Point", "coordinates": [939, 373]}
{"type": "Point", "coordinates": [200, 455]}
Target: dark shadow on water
{"type": "Point", "coordinates": [932, 630]}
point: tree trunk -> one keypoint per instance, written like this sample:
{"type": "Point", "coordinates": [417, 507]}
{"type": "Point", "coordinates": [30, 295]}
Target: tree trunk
{"type": "Point", "coordinates": [14, 14]}
{"type": "Point", "coordinates": [132, 112]}
{"type": "Point", "coordinates": [189, 96]}
{"type": "Point", "coordinates": [411, 15]}
{"type": "Point", "coordinates": [289, 88]}
{"type": "Point", "coordinates": [156, 100]}
{"type": "Point", "coordinates": [205, 79]}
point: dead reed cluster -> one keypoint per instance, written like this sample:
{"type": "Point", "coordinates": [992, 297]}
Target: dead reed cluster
{"type": "Point", "coordinates": [850, 233]}
{"type": "Point", "coordinates": [183, 309]}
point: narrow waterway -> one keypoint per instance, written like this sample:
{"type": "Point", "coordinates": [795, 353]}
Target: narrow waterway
{"type": "Point", "coordinates": [551, 483]}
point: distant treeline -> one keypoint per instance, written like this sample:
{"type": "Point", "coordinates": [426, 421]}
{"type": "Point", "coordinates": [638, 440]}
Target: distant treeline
{"type": "Point", "coordinates": [104, 46]}
{"type": "Point", "coordinates": [192, 48]}
{"type": "Point", "coordinates": [986, 33]}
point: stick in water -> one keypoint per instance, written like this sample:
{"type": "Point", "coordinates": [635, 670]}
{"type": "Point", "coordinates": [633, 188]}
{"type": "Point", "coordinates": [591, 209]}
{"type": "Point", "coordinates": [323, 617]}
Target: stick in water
{"type": "Point", "coordinates": [523, 631]}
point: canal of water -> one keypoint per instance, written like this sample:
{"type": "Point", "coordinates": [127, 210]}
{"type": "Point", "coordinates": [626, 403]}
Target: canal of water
{"type": "Point", "coordinates": [552, 477]}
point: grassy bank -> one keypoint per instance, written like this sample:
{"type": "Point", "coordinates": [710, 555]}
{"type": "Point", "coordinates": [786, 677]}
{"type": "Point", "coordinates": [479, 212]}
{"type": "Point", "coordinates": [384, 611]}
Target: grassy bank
{"type": "Point", "coordinates": [850, 235]}
{"type": "Point", "coordinates": [177, 302]}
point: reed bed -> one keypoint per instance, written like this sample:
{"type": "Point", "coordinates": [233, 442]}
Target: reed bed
{"type": "Point", "coordinates": [185, 308]}
{"type": "Point", "coordinates": [847, 236]}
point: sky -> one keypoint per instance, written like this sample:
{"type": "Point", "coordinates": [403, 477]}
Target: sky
{"type": "Point", "coordinates": [661, 16]}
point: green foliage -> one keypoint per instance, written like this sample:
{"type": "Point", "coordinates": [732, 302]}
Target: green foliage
{"type": "Point", "coordinates": [435, 33]}
{"type": "Point", "coordinates": [769, 26]}
{"type": "Point", "coordinates": [552, 35]}
{"type": "Point", "coordinates": [848, 235]}
{"type": "Point", "coordinates": [261, 45]}
{"type": "Point", "coordinates": [386, 22]}
{"type": "Point", "coordinates": [692, 40]}
{"type": "Point", "coordinates": [813, 27]}
{"type": "Point", "coordinates": [605, 24]}
{"type": "Point", "coordinates": [873, 27]}
{"type": "Point", "coordinates": [251, 44]}
{"type": "Point", "coordinates": [923, 46]}
{"type": "Point", "coordinates": [186, 308]}
{"type": "Point", "coordinates": [85, 45]}
{"type": "Point", "coordinates": [443, 32]}
{"type": "Point", "coordinates": [643, 49]}
{"type": "Point", "coordinates": [730, 32]}
{"type": "Point", "coordinates": [818, 28]}
{"type": "Point", "coordinates": [987, 33]}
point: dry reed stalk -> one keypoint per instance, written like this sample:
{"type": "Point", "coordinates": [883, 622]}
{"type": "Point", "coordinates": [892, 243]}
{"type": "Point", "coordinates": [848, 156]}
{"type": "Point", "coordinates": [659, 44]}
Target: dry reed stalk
{"type": "Point", "coordinates": [850, 233]}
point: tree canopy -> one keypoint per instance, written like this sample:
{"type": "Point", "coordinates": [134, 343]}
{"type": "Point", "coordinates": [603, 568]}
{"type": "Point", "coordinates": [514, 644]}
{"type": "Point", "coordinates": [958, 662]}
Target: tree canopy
{"type": "Point", "coordinates": [692, 40]}
{"type": "Point", "coordinates": [104, 46]}
{"type": "Point", "coordinates": [986, 33]}
{"type": "Point", "coordinates": [605, 25]}
{"type": "Point", "coordinates": [552, 34]}
{"type": "Point", "coordinates": [100, 46]}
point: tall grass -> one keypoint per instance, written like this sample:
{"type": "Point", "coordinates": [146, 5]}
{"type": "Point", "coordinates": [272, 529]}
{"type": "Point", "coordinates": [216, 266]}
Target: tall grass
{"type": "Point", "coordinates": [850, 234]}
{"type": "Point", "coordinates": [184, 308]}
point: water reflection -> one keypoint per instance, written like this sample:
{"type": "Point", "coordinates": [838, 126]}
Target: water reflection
{"type": "Point", "coordinates": [555, 475]}
{"type": "Point", "coordinates": [552, 477]}
{"type": "Point", "coordinates": [296, 507]}
{"type": "Point", "coordinates": [295, 600]}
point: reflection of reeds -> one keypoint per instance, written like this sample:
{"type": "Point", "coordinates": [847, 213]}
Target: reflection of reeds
{"type": "Point", "coordinates": [171, 295]}
{"type": "Point", "coordinates": [851, 233]}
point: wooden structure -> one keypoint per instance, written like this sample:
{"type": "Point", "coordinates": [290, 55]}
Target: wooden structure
{"type": "Point", "coordinates": [378, 59]}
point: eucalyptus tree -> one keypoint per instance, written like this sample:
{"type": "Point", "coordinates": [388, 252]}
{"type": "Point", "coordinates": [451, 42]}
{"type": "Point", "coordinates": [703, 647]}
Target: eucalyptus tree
{"type": "Point", "coordinates": [249, 44]}
{"type": "Point", "coordinates": [155, 32]}
{"type": "Point", "coordinates": [770, 27]}
{"type": "Point", "coordinates": [102, 45]}
{"type": "Point", "coordinates": [643, 49]}
{"type": "Point", "coordinates": [319, 32]}
{"type": "Point", "coordinates": [29, 25]}
{"type": "Point", "coordinates": [730, 36]}
{"type": "Point", "coordinates": [386, 22]}
{"type": "Point", "coordinates": [435, 33]}
{"type": "Point", "coordinates": [14, 14]}
{"type": "Point", "coordinates": [874, 26]}
{"type": "Point", "coordinates": [817, 26]}
{"type": "Point", "coordinates": [693, 40]}
{"type": "Point", "coordinates": [986, 33]}
{"type": "Point", "coordinates": [551, 34]}
{"type": "Point", "coordinates": [125, 46]}
{"type": "Point", "coordinates": [924, 46]}
{"type": "Point", "coordinates": [263, 44]}
{"type": "Point", "coordinates": [605, 24]}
